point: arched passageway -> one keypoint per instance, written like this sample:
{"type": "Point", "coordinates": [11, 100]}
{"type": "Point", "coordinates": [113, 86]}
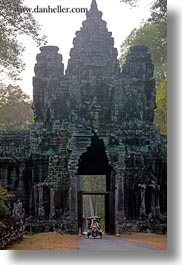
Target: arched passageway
{"type": "Point", "coordinates": [94, 162]}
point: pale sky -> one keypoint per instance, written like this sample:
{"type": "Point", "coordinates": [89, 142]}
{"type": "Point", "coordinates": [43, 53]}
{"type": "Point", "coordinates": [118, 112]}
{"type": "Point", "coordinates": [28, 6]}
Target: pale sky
{"type": "Point", "coordinates": [60, 28]}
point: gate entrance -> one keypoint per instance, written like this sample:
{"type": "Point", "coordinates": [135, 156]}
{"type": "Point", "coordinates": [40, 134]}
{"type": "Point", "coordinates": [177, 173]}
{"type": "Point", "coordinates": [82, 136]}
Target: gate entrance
{"type": "Point", "coordinates": [95, 179]}
{"type": "Point", "coordinates": [109, 218]}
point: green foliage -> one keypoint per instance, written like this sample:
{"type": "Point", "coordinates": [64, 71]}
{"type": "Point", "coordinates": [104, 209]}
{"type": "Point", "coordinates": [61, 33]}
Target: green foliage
{"type": "Point", "coordinates": [161, 111]}
{"type": "Point", "coordinates": [159, 11]}
{"type": "Point", "coordinates": [153, 34]}
{"type": "Point", "coordinates": [15, 108]}
{"type": "Point", "coordinates": [94, 204]}
{"type": "Point", "coordinates": [14, 23]}
{"type": "Point", "coordinates": [93, 183]}
{"type": "Point", "coordinates": [4, 210]}
{"type": "Point", "coordinates": [3, 193]}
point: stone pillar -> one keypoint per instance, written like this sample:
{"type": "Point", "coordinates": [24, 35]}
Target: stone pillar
{"type": "Point", "coordinates": [41, 210]}
{"type": "Point", "coordinates": [157, 197]}
{"type": "Point", "coordinates": [30, 204]}
{"type": "Point", "coordinates": [21, 185]}
{"type": "Point", "coordinates": [119, 190]}
{"type": "Point", "coordinates": [158, 213]}
{"type": "Point", "coordinates": [119, 202]}
{"type": "Point", "coordinates": [35, 200]}
{"type": "Point", "coordinates": [142, 205]}
{"type": "Point", "coordinates": [52, 203]}
{"type": "Point", "coordinates": [40, 191]}
{"type": "Point", "coordinates": [79, 188]}
{"type": "Point", "coordinates": [73, 203]}
{"type": "Point", "coordinates": [152, 209]}
{"type": "Point", "coordinates": [122, 198]}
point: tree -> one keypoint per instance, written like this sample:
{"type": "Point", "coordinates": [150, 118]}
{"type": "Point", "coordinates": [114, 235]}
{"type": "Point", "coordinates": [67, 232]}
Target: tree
{"type": "Point", "coordinates": [159, 11]}
{"type": "Point", "coordinates": [153, 34]}
{"type": "Point", "coordinates": [3, 193]}
{"type": "Point", "coordinates": [15, 108]}
{"type": "Point", "coordinates": [15, 19]}
{"type": "Point", "coordinates": [159, 8]}
{"type": "Point", "coordinates": [161, 111]}
{"type": "Point", "coordinates": [94, 204]}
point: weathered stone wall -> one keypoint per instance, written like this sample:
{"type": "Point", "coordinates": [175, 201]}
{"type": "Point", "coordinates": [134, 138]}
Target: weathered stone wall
{"type": "Point", "coordinates": [147, 226]}
{"type": "Point", "coordinates": [14, 144]}
{"type": "Point", "coordinates": [92, 98]}
{"type": "Point", "coordinates": [15, 164]}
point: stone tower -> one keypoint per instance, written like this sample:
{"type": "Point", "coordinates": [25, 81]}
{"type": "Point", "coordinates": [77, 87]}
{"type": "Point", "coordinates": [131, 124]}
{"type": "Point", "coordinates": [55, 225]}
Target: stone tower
{"type": "Point", "coordinates": [93, 55]}
{"type": "Point", "coordinates": [91, 69]}
{"type": "Point", "coordinates": [91, 120]}
{"type": "Point", "coordinates": [138, 70]}
{"type": "Point", "coordinates": [49, 193]}
{"type": "Point", "coordinates": [50, 87]}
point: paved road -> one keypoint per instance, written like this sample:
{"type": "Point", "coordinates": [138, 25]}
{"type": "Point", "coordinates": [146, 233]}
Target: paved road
{"type": "Point", "coordinates": [111, 243]}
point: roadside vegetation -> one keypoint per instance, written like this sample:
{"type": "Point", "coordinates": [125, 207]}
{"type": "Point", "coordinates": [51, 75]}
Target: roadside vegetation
{"type": "Point", "coordinates": [154, 240]}
{"type": "Point", "coordinates": [47, 241]}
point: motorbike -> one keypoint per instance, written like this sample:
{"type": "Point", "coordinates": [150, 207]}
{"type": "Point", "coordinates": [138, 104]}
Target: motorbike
{"type": "Point", "coordinates": [94, 230]}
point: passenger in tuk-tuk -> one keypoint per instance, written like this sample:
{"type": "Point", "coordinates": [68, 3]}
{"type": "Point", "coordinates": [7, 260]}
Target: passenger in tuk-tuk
{"type": "Point", "coordinates": [95, 223]}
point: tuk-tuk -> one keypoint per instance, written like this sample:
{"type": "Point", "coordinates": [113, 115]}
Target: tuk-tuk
{"type": "Point", "coordinates": [94, 227]}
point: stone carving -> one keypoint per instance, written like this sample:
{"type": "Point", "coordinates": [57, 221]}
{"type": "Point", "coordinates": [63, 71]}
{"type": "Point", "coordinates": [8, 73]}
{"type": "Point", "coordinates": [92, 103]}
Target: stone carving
{"type": "Point", "coordinates": [18, 211]}
{"type": "Point", "coordinates": [92, 100]}
{"type": "Point", "coordinates": [142, 205]}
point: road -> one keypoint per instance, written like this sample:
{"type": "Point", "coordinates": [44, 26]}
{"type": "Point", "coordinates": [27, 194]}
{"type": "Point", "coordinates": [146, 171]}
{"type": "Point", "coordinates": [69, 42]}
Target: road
{"type": "Point", "coordinates": [111, 243]}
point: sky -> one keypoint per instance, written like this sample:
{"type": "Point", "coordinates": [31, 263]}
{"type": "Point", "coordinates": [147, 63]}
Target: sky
{"type": "Point", "coordinates": [60, 28]}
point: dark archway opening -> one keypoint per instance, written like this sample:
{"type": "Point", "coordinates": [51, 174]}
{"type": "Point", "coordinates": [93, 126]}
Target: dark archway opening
{"type": "Point", "coordinates": [95, 162]}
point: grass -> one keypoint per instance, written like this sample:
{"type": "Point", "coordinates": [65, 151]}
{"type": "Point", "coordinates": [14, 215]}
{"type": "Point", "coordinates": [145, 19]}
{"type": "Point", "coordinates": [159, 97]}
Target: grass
{"type": "Point", "coordinates": [155, 240]}
{"type": "Point", "coordinates": [56, 241]}
{"type": "Point", "coordinates": [47, 241]}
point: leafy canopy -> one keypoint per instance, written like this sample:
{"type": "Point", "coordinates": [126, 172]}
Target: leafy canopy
{"type": "Point", "coordinates": [3, 194]}
{"type": "Point", "coordinates": [14, 23]}
{"type": "Point", "coordinates": [153, 34]}
{"type": "Point", "coordinates": [159, 8]}
{"type": "Point", "coordinates": [159, 11]}
{"type": "Point", "coordinates": [161, 111]}
{"type": "Point", "coordinates": [15, 108]}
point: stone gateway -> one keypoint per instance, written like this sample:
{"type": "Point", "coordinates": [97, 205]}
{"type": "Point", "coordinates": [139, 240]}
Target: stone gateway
{"type": "Point", "coordinates": [92, 119]}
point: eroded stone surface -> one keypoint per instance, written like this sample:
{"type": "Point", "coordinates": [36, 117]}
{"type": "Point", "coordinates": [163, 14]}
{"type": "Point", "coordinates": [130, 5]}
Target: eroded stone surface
{"type": "Point", "coordinates": [92, 99]}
